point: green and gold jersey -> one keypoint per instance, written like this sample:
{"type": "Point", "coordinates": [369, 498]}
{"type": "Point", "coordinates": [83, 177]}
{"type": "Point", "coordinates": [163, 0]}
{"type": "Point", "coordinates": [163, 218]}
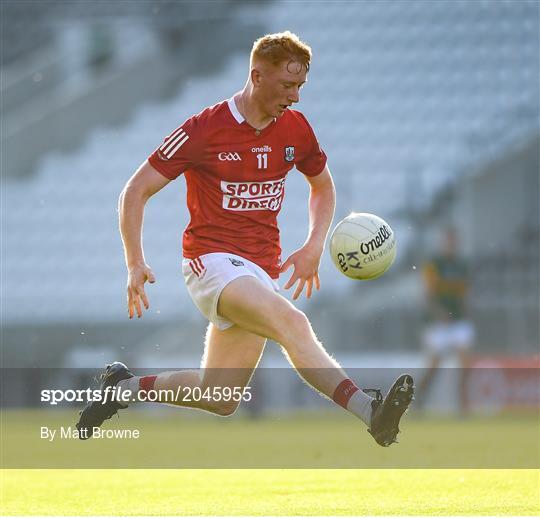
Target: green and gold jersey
{"type": "Point", "coordinates": [447, 284]}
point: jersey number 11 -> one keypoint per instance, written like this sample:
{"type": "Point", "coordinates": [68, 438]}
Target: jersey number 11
{"type": "Point", "coordinates": [262, 161]}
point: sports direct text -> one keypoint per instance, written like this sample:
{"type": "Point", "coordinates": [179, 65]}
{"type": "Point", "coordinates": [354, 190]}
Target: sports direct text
{"type": "Point", "coordinates": [241, 196]}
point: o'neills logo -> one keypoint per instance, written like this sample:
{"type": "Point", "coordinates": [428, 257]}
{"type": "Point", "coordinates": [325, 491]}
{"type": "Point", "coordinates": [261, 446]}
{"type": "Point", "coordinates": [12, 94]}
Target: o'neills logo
{"type": "Point", "coordinates": [370, 246]}
{"type": "Point", "coordinates": [253, 195]}
{"type": "Point", "coordinates": [263, 149]}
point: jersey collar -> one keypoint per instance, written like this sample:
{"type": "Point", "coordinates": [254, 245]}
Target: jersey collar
{"type": "Point", "coordinates": [234, 110]}
{"type": "Point", "coordinates": [240, 119]}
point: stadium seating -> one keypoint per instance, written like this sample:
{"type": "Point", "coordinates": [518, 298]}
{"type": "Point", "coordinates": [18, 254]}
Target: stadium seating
{"type": "Point", "coordinates": [401, 95]}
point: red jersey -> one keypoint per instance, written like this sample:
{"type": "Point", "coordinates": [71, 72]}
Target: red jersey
{"type": "Point", "coordinates": [235, 179]}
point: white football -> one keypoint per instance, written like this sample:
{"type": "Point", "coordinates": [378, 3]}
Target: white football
{"type": "Point", "coordinates": [362, 246]}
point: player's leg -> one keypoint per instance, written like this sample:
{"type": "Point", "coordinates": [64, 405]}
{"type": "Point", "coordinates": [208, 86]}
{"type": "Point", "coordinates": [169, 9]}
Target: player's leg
{"type": "Point", "coordinates": [464, 363]}
{"type": "Point", "coordinates": [229, 359]}
{"type": "Point", "coordinates": [230, 352]}
{"type": "Point", "coordinates": [252, 306]}
{"type": "Point", "coordinates": [426, 382]}
{"type": "Point", "coordinates": [435, 343]}
{"type": "Point", "coordinates": [464, 338]}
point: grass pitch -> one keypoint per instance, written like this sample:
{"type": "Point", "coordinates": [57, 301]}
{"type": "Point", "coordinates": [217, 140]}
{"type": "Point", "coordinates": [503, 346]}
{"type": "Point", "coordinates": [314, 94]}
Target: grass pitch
{"type": "Point", "coordinates": [174, 440]}
{"type": "Point", "coordinates": [270, 492]}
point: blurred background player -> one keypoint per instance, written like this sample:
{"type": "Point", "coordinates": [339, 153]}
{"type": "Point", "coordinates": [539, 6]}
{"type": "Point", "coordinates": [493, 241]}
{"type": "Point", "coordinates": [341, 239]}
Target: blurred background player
{"type": "Point", "coordinates": [449, 330]}
{"type": "Point", "coordinates": [235, 156]}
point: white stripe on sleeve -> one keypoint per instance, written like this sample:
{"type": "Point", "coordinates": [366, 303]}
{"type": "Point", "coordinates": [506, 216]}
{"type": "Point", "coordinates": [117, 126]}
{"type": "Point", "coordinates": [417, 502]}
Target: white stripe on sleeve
{"type": "Point", "coordinates": [179, 145]}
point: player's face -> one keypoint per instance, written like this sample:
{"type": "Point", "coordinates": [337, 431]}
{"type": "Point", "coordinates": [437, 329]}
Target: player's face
{"type": "Point", "coordinates": [278, 87]}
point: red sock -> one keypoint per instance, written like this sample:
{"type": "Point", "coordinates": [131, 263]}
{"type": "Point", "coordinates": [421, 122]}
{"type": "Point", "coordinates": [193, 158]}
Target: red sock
{"type": "Point", "coordinates": [344, 392]}
{"type": "Point", "coordinates": [146, 383]}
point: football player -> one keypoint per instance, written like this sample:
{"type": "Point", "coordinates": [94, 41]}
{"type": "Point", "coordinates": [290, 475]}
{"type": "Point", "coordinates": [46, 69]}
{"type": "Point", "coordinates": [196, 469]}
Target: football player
{"type": "Point", "coordinates": [234, 157]}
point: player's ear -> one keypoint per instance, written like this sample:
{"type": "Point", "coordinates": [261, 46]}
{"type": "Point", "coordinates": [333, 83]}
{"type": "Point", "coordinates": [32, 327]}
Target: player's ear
{"type": "Point", "coordinates": [256, 76]}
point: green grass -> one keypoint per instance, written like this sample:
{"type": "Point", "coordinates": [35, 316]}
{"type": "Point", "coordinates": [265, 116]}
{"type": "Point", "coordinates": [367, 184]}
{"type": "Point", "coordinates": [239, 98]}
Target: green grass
{"type": "Point", "coordinates": [173, 438]}
{"type": "Point", "coordinates": [270, 492]}
{"type": "Point", "coordinates": [181, 439]}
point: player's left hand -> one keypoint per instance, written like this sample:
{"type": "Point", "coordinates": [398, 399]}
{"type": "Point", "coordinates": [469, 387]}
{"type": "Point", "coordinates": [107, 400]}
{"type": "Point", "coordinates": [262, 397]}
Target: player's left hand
{"type": "Point", "coordinates": [306, 262]}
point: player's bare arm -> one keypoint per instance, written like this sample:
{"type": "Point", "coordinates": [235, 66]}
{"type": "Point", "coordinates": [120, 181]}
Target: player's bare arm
{"type": "Point", "coordinates": [137, 191]}
{"type": "Point", "coordinates": [306, 260]}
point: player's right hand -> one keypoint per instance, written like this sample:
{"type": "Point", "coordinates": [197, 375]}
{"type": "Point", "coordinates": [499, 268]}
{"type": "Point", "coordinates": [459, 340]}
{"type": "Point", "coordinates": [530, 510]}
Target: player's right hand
{"type": "Point", "coordinates": [137, 276]}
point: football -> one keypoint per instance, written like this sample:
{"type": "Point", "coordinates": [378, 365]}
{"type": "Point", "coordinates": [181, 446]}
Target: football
{"type": "Point", "coordinates": [363, 246]}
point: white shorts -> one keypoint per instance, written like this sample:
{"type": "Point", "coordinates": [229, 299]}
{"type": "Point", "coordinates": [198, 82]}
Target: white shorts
{"type": "Point", "coordinates": [207, 275]}
{"type": "Point", "coordinates": [446, 337]}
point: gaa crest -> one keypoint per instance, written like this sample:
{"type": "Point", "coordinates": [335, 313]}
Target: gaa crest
{"type": "Point", "coordinates": [289, 153]}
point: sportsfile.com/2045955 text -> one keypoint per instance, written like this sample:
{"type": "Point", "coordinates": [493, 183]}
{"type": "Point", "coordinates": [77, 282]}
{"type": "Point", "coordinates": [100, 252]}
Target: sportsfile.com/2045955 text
{"type": "Point", "coordinates": [181, 394]}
